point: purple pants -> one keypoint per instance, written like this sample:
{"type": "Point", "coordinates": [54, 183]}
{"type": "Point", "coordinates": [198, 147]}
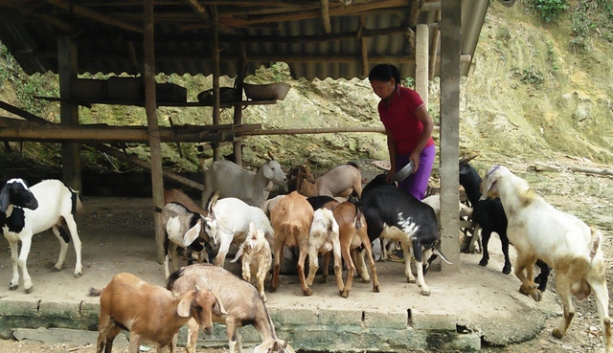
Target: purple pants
{"type": "Point", "coordinates": [417, 184]}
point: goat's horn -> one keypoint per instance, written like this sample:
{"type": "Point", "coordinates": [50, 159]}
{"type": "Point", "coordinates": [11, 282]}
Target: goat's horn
{"type": "Point", "coordinates": [468, 159]}
{"type": "Point", "coordinates": [270, 155]}
{"type": "Point", "coordinates": [439, 253]}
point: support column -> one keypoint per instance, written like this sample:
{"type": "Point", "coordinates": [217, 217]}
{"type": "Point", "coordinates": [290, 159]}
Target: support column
{"type": "Point", "coordinates": [238, 111]}
{"type": "Point", "coordinates": [451, 40]}
{"type": "Point", "coordinates": [421, 62]}
{"type": "Point", "coordinates": [216, 74]}
{"type": "Point", "coordinates": [69, 113]}
{"type": "Point", "coordinates": [157, 180]}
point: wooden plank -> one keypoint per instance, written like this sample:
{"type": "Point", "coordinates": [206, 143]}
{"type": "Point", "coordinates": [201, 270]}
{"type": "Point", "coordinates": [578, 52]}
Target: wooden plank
{"type": "Point", "coordinates": [96, 16]}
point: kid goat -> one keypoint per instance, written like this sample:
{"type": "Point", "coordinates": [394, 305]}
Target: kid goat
{"type": "Point", "coordinates": [27, 211]}
{"type": "Point", "coordinates": [567, 244]}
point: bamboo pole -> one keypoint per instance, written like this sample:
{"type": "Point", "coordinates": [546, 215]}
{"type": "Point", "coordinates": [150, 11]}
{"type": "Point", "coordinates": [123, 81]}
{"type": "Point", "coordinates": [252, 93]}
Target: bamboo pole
{"type": "Point", "coordinates": [436, 39]}
{"type": "Point", "coordinates": [216, 73]}
{"type": "Point", "coordinates": [238, 111]}
{"type": "Point", "coordinates": [325, 15]}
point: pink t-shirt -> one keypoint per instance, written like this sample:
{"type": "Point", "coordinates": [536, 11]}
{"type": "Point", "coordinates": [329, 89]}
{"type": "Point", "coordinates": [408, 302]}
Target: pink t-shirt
{"type": "Point", "coordinates": [400, 120]}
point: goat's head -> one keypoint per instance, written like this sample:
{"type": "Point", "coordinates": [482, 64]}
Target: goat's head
{"type": "Point", "coordinates": [431, 254]}
{"type": "Point", "coordinates": [488, 185]}
{"type": "Point", "coordinates": [273, 172]}
{"type": "Point", "coordinates": [16, 192]}
{"type": "Point", "coordinates": [274, 346]}
{"type": "Point", "coordinates": [202, 305]}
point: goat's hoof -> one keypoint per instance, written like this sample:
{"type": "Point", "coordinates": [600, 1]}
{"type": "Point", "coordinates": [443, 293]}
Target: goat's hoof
{"type": "Point", "coordinates": [506, 270]}
{"type": "Point", "coordinates": [365, 280]}
{"type": "Point", "coordinates": [376, 289]}
{"type": "Point", "coordinates": [426, 292]}
{"type": "Point", "coordinates": [13, 287]}
{"type": "Point", "coordinates": [483, 263]}
{"type": "Point", "coordinates": [29, 290]}
{"type": "Point", "coordinates": [344, 294]}
{"type": "Point", "coordinates": [411, 281]}
{"type": "Point", "coordinates": [272, 289]}
{"type": "Point", "coordinates": [78, 275]}
{"type": "Point", "coordinates": [307, 292]}
{"type": "Point", "coordinates": [536, 295]}
{"type": "Point", "coordinates": [557, 333]}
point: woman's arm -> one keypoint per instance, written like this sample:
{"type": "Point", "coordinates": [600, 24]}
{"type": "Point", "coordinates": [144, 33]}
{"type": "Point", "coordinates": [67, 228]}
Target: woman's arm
{"type": "Point", "coordinates": [424, 117]}
{"type": "Point", "coordinates": [391, 147]}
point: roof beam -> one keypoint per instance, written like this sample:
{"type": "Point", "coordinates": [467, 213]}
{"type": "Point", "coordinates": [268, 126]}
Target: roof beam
{"type": "Point", "coordinates": [96, 16]}
{"type": "Point", "coordinates": [325, 15]}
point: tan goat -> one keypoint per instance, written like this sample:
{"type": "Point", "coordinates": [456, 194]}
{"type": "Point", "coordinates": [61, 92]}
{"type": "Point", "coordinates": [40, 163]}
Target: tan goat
{"type": "Point", "coordinates": [257, 258]}
{"type": "Point", "coordinates": [291, 220]}
{"type": "Point", "coordinates": [343, 180]}
{"type": "Point", "coordinates": [151, 313]}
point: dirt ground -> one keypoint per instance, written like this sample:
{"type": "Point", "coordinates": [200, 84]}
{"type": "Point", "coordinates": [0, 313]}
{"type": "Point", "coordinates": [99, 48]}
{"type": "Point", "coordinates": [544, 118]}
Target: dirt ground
{"type": "Point", "coordinates": [130, 218]}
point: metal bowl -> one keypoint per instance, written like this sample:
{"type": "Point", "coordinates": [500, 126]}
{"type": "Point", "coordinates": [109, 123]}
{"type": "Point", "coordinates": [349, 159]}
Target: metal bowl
{"type": "Point", "coordinates": [404, 172]}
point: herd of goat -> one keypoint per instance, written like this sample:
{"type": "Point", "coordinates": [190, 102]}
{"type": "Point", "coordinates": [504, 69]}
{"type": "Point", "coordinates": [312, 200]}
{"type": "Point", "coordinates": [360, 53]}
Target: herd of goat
{"type": "Point", "coordinates": [333, 216]}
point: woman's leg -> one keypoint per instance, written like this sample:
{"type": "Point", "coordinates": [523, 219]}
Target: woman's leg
{"type": "Point", "coordinates": [417, 184]}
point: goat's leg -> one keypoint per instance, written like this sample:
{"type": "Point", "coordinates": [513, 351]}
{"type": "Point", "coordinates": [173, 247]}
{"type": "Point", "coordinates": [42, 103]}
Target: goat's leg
{"type": "Point", "coordinates": [324, 271]}
{"type": "Point", "coordinates": [407, 263]}
{"type": "Point", "coordinates": [597, 280]}
{"type": "Point", "coordinates": [419, 266]}
{"type": "Point", "coordinates": [64, 240]}
{"type": "Point", "coordinates": [368, 248]}
{"type": "Point", "coordinates": [300, 267]}
{"type": "Point", "coordinates": [338, 263]}
{"type": "Point", "coordinates": [563, 284]}
{"type": "Point", "coordinates": [234, 339]}
{"type": "Point", "coordinates": [313, 264]}
{"type": "Point", "coordinates": [360, 265]}
{"type": "Point", "coordinates": [350, 268]}
{"type": "Point", "coordinates": [110, 337]}
{"type": "Point", "coordinates": [76, 242]}
{"type": "Point", "coordinates": [134, 344]}
{"type": "Point", "coordinates": [224, 247]}
{"type": "Point", "coordinates": [246, 270]}
{"type": "Point", "coordinates": [274, 283]}
{"type": "Point", "coordinates": [26, 244]}
{"type": "Point", "coordinates": [485, 239]}
{"type": "Point", "coordinates": [528, 287]}
{"type": "Point", "coordinates": [14, 284]}
{"type": "Point", "coordinates": [542, 278]}
{"type": "Point", "coordinates": [192, 336]}
{"type": "Point", "coordinates": [504, 241]}
{"type": "Point", "coordinates": [261, 278]}
{"type": "Point", "coordinates": [103, 329]}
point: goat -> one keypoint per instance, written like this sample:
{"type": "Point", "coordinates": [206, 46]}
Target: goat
{"type": "Point", "coordinates": [561, 240]}
{"type": "Point", "coordinates": [230, 180]}
{"type": "Point", "coordinates": [241, 301]}
{"type": "Point", "coordinates": [296, 174]}
{"type": "Point", "coordinates": [179, 223]}
{"type": "Point", "coordinates": [257, 260]}
{"type": "Point", "coordinates": [394, 213]}
{"type": "Point", "coordinates": [151, 313]}
{"type": "Point", "coordinates": [342, 180]}
{"type": "Point", "coordinates": [490, 215]}
{"type": "Point", "coordinates": [270, 204]}
{"type": "Point", "coordinates": [291, 219]}
{"type": "Point", "coordinates": [27, 211]}
{"type": "Point", "coordinates": [227, 223]}
{"type": "Point", "coordinates": [324, 238]}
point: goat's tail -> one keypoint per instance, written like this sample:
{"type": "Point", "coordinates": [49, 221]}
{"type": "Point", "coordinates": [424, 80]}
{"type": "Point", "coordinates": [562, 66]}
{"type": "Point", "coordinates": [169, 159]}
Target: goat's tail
{"type": "Point", "coordinates": [93, 292]}
{"type": "Point", "coordinates": [77, 206]}
{"type": "Point", "coordinates": [595, 242]}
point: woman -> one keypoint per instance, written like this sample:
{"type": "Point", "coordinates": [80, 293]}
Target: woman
{"type": "Point", "coordinates": [408, 127]}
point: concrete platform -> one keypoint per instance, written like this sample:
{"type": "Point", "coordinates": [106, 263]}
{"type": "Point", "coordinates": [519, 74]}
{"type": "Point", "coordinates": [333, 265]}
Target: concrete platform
{"type": "Point", "coordinates": [476, 307]}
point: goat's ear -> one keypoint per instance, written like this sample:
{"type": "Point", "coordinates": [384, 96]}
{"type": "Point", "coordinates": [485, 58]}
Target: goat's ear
{"type": "Point", "coordinates": [5, 198]}
{"type": "Point", "coordinates": [192, 234]}
{"type": "Point", "coordinates": [211, 202]}
{"type": "Point", "coordinates": [185, 305]}
{"type": "Point", "coordinates": [218, 309]}
{"type": "Point", "coordinates": [268, 173]}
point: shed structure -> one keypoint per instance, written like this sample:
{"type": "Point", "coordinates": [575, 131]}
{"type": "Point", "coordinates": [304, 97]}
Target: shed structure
{"type": "Point", "coordinates": [316, 38]}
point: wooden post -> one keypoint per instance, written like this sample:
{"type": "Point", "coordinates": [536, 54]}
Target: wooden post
{"type": "Point", "coordinates": [451, 40]}
{"type": "Point", "coordinates": [216, 74]}
{"type": "Point", "coordinates": [69, 113]}
{"type": "Point", "coordinates": [157, 180]}
{"type": "Point", "coordinates": [238, 111]}
{"type": "Point", "coordinates": [421, 62]}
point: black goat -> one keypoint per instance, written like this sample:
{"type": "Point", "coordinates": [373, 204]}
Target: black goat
{"type": "Point", "coordinates": [393, 213]}
{"type": "Point", "coordinates": [491, 218]}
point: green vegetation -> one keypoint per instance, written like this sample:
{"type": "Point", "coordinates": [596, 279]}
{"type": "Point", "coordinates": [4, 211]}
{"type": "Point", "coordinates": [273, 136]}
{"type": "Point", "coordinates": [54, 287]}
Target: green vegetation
{"type": "Point", "coordinates": [550, 10]}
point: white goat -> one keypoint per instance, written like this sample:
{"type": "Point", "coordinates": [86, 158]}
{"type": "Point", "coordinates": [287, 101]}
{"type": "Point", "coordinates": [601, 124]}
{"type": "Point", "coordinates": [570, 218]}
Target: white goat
{"type": "Point", "coordinates": [257, 258]}
{"type": "Point", "coordinates": [323, 238]}
{"type": "Point", "coordinates": [270, 204]}
{"type": "Point", "coordinates": [561, 240]}
{"type": "Point", "coordinates": [230, 180]}
{"type": "Point", "coordinates": [178, 223]}
{"type": "Point", "coordinates": [28, 211]}
{"type": "Point", "coordinates": [151, 313]}
{"type": "Point", "coordinates": [227, 223]}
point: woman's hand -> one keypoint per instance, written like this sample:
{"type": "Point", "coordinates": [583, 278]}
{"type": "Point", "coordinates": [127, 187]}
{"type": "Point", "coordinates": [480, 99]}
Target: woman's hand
{"type": "Point", "coordinates": [415, 159]}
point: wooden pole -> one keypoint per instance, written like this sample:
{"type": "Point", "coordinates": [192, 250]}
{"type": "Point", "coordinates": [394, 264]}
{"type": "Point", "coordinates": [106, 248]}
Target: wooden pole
{"type": "Point", "coordinates": [157, 180]}
{"type": "Point", "coordinates": [434, 52]}
{"type": "Point", "coordinates": [325, 15]}
{"type": "Point", "coordinates": [216, 74]}
{"type": "Point", "coordinates": [421, 62]}
{"type": "Point", "coordinates": [238, 111]}
{"type": "Point", "coordinates": [451, 39]}
{"type": "Point", "coordinates": [69, 113]}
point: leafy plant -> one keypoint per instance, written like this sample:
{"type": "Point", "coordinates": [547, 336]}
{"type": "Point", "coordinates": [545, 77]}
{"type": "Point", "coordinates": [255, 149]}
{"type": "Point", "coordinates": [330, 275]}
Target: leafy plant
{"type": "Point", "coordinates": [550, 9]}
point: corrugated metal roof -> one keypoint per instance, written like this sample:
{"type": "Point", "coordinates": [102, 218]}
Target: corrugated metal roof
{"type": "Point", "coordinates": [108, 34]}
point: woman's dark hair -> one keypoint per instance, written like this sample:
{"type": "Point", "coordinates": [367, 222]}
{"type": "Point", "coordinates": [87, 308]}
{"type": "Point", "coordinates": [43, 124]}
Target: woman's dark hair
{"type": "Point", "coordinates": [384, 72]}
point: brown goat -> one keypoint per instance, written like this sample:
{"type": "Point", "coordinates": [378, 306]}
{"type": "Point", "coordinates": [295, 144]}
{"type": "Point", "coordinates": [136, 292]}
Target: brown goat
{"type": "Point", "coordinates": [343, 180]}
{"type": "Point", "coordinates": [151, 313]}
{"type": "Point", "coordinates": [291, 220]}
{"type": "Point", "coordinates": [257, 259]}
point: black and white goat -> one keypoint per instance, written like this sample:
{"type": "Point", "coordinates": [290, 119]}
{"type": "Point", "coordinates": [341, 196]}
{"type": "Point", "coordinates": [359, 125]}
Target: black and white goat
{"type": "Point", "coordinates": [393, 213]}
{"type": "Point", "coordinates": [490, 216]}
{"type": "Point", "coordinates": [25, 211]}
